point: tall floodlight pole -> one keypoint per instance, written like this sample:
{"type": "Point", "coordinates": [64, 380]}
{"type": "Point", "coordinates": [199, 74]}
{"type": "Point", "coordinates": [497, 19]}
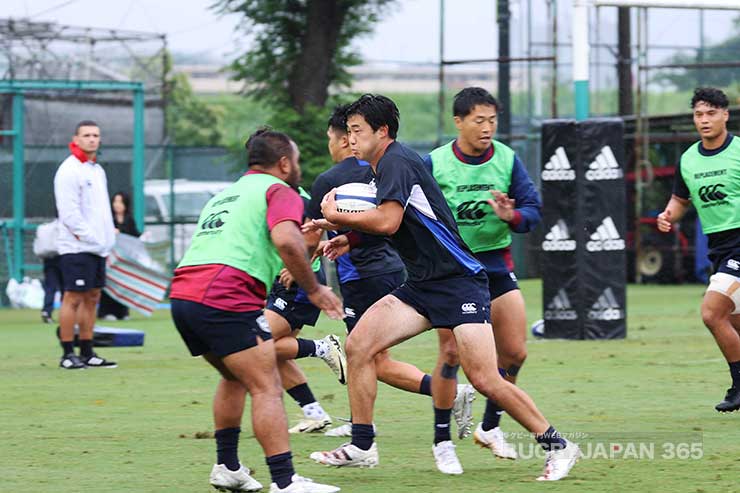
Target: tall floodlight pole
{"type": "Point", "coordinates": [580, 58]}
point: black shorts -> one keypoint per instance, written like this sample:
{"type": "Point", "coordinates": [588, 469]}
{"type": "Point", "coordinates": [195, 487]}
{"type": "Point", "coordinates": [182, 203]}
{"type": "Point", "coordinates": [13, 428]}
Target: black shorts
{"type": "Point", "coordinates": [210, 330]}
{"type": "Point", "coordinates": [82, 271]}
{"type": "Point", "coordinates": [361, 294]}
{"type": "Point", "coordinates": [500, 283]}
{"type": "Point", "coordinates": [289, 304]}
{"type": "Point", "coordinates": [728, 263]}
{"type": "Point", "coordinates": [448, 303]}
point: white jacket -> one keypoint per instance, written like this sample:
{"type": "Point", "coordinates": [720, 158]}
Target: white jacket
{"type": "Point", "coordinates": [83, 204]}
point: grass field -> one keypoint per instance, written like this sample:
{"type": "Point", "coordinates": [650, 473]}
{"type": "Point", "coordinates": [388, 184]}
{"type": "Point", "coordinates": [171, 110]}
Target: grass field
{"type": "Point", "coordinates": [133, 429]}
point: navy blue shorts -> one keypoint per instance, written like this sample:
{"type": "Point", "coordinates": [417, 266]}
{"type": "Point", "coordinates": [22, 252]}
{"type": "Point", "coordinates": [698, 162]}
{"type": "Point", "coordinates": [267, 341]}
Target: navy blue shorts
{"type": "Point", "coordinates": [361, 294]}
{"type": "Point", "coordinates": [82, 271]}
{"type": "Point", "coordinates": [283, 302]}
{"type": "Point", "coordinates": [500, 283]}
{"type": "Point", "coordinates": [729, 264]}
{"type": "Point", "coordinates": [448, 303]}
{"type": "Point", "coordinates": [210, 330]}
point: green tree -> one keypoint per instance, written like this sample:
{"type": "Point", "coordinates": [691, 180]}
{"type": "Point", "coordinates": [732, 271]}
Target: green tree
{"type": "Point", "coordinates": [300, 49]}
{"type": "Point", "coordinates": [724, 51]}
{"type": "Point", "coordinates": [190, 121]}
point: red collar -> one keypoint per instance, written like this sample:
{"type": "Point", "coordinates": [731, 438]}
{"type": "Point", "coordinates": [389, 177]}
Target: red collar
{"type": "Point", "coordinates": [79, 153]}
{"type": "Point", "coordinates": [461, 156]}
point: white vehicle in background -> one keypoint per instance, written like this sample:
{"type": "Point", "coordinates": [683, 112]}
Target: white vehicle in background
{"type": "Point", "coordinates": [190, 197]}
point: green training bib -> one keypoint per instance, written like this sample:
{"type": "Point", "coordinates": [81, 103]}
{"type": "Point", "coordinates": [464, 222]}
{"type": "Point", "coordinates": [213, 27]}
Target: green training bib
{"type": "Point", "coordinates": [232, 230]}
{"type": "Point", "coordinates": [714, 184]}
{"type": "Point", "coordinates": [467, 187]}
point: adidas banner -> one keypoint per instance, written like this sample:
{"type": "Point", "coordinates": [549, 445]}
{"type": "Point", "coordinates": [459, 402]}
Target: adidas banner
{"type": "Point", "coordinates": [583, 249]}
{"type": "Point", "coordinates": [602, 266]}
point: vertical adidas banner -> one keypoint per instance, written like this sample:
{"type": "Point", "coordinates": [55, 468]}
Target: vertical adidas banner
{"type": "Point", "coordinates": [559, 218]}
{"type": "Point", "coordinates": [602, 270]}
{"type": "Point", "coordinates": [583, 250]}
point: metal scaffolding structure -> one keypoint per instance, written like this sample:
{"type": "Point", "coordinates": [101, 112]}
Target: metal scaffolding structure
{"type": "Point", "coordinates": [51, 76]}
{"type": "Point", "coordinates": [51, 51]}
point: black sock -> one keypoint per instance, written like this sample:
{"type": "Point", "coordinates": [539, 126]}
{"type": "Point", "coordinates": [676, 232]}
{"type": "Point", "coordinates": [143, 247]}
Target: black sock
{"type": "Point", "coordinates": [227, 445]}
{"type": "Point", "coordinates": [68, 347]}
{"type": "Point", "coordinates": [301, 394]}
{"type": "Point", "coordinates": [86, 348]}
{"type": "Point", "coordinates": [550, 440]}
{"type": "Point", "coordinates": [442, 425]}
{"type": "Point", "coordinates": [491, 416]}
{"type": "Point", "coordinates": [735, 374]}
{"type": "Point", "coordinates": [281, 469]}
{"type": "Point", "coordinates": [306, 348]}
{"type": "Point", "coordinates": [425, 387]}
{"type": "Point", "coordinates": [362, 436]}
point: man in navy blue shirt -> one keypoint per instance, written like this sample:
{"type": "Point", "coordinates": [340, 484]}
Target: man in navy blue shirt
{"type": "Point", "coordinates": [369, 271]}
{"type": "Point", "coordinates": [446, 288]}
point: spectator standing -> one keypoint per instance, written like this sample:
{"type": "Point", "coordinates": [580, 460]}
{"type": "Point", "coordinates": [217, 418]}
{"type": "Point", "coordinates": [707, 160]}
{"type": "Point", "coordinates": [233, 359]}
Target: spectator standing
{"type": "Point", "coordinates": [123, 221]}
{"type": "Point", "coordinates": [44, 246]}
{"type": "Point", "coordinates": [86, 236]}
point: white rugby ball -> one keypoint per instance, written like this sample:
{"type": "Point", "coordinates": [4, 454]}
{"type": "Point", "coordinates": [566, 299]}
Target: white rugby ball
{"type": "Point", "coordinates": [538, 328]}
{"type": "Point", "coordinates": [355, 197]}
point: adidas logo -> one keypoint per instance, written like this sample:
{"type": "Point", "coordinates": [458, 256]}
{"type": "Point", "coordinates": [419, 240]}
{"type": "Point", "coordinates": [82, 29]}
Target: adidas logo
{"type": "Point", "coordinates": [558, 239]}
{"type": "Point", "coordinates": [605, 238]}
{"type": "Point", "coordinates": [560, 308]}
{"type": "Point", "coordinates": [604, 167]}
{"type": "Point", "coordinates": [558, 167]}
{"type": "Point", "coordinates": [606, 307]}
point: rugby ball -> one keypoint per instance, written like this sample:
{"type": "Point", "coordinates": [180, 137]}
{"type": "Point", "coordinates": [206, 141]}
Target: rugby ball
{"type": "Point", "coordinates": [538, 328]}
{"type": "Point", "coordinates": [355, 197]}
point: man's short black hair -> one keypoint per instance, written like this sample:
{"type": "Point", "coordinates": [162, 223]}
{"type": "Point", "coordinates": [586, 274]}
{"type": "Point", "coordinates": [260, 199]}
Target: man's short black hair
{"type": "Point", "coordinates": [469, 98]}
{"type": "Point", "coordinates": [85, 123]}
{"type": "Point", "coordinates": [338, 119]}
{"type": "Point", "coordinates": [266, 146]}
{"type": "Point", "coordinates": [710, 95]}
{"type": "Point", "coordinates": [377, 110]}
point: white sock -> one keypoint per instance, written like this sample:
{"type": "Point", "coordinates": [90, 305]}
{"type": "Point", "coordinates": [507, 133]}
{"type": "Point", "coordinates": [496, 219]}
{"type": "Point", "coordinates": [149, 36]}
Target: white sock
{"type": "Point", "coordinates": [313, 411]}
{"type": "Point", "coordinates": [322, 348]}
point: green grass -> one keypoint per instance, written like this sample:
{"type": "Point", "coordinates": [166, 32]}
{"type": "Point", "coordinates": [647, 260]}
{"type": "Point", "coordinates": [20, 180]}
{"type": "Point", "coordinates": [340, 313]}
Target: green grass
{"type": "Point", "coordinates": [132, 429]}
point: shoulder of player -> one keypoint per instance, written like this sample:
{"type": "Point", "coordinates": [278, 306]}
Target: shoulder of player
{"type": "Point", "coordinates": [283, 190]}
{"type": "Point", "coordinates": [333, 176]}
{"type": "Point", "coordinates": [734, 142]}
{"type": "Point", "coordinates": [497, 144]}
{"type": "Point", "coordinates": [693, 149]}
{"type": "Point", "coordinates": [437, 150]}
{"type": "Point", "coordinates": [398, 152]}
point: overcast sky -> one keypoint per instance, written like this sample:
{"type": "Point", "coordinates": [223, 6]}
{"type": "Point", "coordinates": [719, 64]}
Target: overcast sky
{"type": "Point", "coordinates": [409, 30]}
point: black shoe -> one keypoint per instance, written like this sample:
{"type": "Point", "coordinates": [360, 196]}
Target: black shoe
{"type": "Point", "coordinates": [46, 318]}
{"type": "Point", "coordinates": [71, 362]}
{"type": "Point", "coordinates": [96, 361]}
{"type": "Point", "coordinates": [731, 402]}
